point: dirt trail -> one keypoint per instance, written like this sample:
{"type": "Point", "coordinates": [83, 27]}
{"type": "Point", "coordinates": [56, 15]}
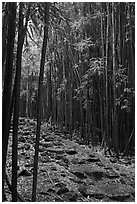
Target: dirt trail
{"type": "Point", "coordinates": [69, 172]}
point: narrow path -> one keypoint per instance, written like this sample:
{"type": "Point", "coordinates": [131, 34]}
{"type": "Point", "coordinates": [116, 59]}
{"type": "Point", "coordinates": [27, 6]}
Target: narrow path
{"type": "Point", "coordinates": [69, 172]}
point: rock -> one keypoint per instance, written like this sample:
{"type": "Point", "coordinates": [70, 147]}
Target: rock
{"type": "Point", "coordinates": [119, 197]}
{"type": "Point", "coordinates": [92, 155]}
{"type": "Point", "coordinates": [81, 142]}
{"type": "Point", "coordinates": [92, 159]}
{"type": "Point", "coordinates": [72, 196]}
{"type": "Point", "coordinates": [80, 174]}
{"type": "Point", "coordinates": [100, 164]}
{"type": "Point", "coordinates": [51, 190]}
{"type": "Point", "coordinates": [65, 159]}
{"type": "Point", "coordinates": [117, 191]}
{"type": "Point", "coordinates": [48, 144]}
{"type": "Point", "coordinates": [62, 190]}
{"type": "Point", "coordinates": [114, 160]}
{"type": "Point", "coordinates": [53, 168]}
{"type": "Point", "coordinates": [47, 139]}
{"type": "Point", "coordinates": [71, 151]}
{"type": "Point", "coordinates": [63, 174]}
{"type": "Point", "coordinates": [83, 190]}
{"type": "Point", "coordinates": [24, 173]}
{"type": "Point", "coordinates": [60, 185]}
{"type": "Point", "coordinates": [111, 174]}
{"type": "Point", "coordinates": [93, 171]}
{"type": "Point", "coordinates": [55, 150]}
{"type": "Point", "coordinates": [58, 157]}
{"type": "Point", "coordinates": [108, 167]}
{"type": "Point", "coordinates": [95, 193]}
{"type": "Point", "coordinates": [78, 170]}
{"type": "Point", "coordinates": [41, 149]}
{"type": "Point", "coordinates": [97, 174]}
{"type": "Point", "coordinates": [82, 161]}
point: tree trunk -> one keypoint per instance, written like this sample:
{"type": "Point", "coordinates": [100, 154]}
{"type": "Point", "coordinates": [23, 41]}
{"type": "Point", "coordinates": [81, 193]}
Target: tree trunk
{"type": "Point", "coordinates": [21, 36]}
{"type": "Point", "coordinates": [102, 107]}
{"type": "Point", "coordinates": [6, 99]}
{"type": "Point", "coordinates": [132, 52]}
{"type": "Point", "coordinates": [115, 136]}
{"type": "Point", "coordinates": [4, 38]}
{"type": "Point", "coordinates": [106, 74]}
{"type": "Point", "coordinates": [44, 47]}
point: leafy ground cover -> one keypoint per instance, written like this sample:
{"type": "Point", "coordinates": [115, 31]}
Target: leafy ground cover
{"type": "Point", "coordinates": [68, 170]}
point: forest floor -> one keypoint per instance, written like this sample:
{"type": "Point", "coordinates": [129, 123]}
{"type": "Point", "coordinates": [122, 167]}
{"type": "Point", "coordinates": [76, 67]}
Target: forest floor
{"type": "Point", "coordinates": [68, 171]}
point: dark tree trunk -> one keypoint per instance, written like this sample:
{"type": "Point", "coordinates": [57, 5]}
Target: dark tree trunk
{"type": "Point", "coordinates": [6, 100]}
{"type": "Point", "coordinates": [115, 136]}
{"type": "Point", "coordinates": [21, 36]}
{"type": "Point", "coordinates": [39, 104]}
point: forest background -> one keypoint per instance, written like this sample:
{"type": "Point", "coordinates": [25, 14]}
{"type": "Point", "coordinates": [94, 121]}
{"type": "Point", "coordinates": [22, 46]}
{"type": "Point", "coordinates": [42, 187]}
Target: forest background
{"type": "Point", "coordinates": [87, 84]}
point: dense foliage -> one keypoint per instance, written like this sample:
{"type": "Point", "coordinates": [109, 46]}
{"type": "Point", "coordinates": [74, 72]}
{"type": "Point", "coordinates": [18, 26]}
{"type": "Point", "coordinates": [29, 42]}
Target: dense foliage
{"type": "Point", "coordinates": [89, 77]}
{"type": "Point", "coordinates": [79, 69]}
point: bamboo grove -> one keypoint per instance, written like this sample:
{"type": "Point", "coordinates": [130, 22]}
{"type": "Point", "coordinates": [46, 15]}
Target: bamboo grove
{"type": "Point", "coordinates": [89, 75]}
{"type": "Point", "coordinates": [88, 83]}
